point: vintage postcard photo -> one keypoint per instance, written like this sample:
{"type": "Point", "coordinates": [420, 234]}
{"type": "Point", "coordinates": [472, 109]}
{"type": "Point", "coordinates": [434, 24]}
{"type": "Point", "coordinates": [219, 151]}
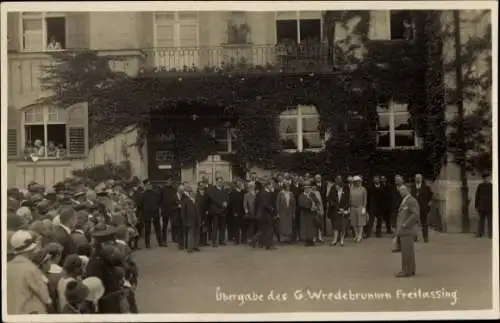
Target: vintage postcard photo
{"type": "Point", "coordinates": [249, 161]}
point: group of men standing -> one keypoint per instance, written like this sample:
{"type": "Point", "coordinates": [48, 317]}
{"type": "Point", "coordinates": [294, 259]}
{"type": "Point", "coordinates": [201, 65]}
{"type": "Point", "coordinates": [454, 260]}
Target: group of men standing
{"type": "Point", "coordinates": [288, 207]}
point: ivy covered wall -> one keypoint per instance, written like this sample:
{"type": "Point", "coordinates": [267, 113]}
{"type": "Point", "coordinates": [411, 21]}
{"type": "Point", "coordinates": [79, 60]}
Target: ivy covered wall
{"type": "Point", "coordinates": [252, 98]}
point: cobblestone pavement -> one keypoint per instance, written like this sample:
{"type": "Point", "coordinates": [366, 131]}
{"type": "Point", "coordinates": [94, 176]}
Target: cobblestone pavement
{"type": "Point", "coordinates": [176, 282]}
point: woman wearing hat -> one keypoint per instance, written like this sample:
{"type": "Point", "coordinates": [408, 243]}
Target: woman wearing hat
{"type": "Point", "coordinates": [106, 263]}
{"type": "Point", "coordinates": [52, 254]}
{"type": "Point", "coordinates": [27, 291]}
{"type": "Point", "coordinates": [358, 217]}
{"type": "Point", "coordinates": [72, 271]}
{"type": "Point", "coordinates": [76, 294]}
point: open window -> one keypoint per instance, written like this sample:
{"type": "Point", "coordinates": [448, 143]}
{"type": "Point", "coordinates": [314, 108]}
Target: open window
{"type": "Point", "coordinates": [402, 25]}
{"type": "Point", "coordinates": [43, 31]}
{"type": "Point", "coordinates": [54, 133]}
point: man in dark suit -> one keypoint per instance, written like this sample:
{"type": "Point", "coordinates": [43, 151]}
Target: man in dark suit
{"type": "Point", "coordinates": [265, 210]}
{"type": "Point", "coordinates": [237, 211]}
{"type": "Point", "coordinates": [62, 232]}
{"type": "Point", "coordinates": [150, 205]}
{"type": "Point", "coordinates": [386, 204]}
{"type": "Point", "coordinates": [136, 196]}
{"type": "Point", "coordinates": [178, 226]}
{"type": "Point", "coordinates": [168, 209]}
{"type": "Point", "coordinates": [407, 222]}
{"type": "Point", "coordinates": [296, 189]}
{"type": "Point", "coordinates": [484, 207]}
{"type": "Point", "coordinates": [423, 194]}
{"type": "Point", "coordinates": [191, 220]}
{"type": "Point", "coordinates": [376, 208]}
{"type": "Point", "coordinates": [202, 201]}
{"type": "Point", "coordinates": [218, 203]}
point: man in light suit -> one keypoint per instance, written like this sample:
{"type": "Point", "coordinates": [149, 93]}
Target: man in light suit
{"type": "Point", "coordinates": [407, 223]}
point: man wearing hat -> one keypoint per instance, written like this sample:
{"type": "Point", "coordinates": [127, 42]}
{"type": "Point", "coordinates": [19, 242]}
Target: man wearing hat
{"type": "Point", "coordinates": [265, 210]}
{"type": "Point", "coordinates": [27, 291]}
{"type": "Point", "coordinates": [149, 206]}
{"type": "Point", "coordinates": [79, 197]}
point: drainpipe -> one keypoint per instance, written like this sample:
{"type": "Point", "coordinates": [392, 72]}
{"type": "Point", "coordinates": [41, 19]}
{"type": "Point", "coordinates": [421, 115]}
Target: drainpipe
{"type": "Point", "coordinates": [464, 188]}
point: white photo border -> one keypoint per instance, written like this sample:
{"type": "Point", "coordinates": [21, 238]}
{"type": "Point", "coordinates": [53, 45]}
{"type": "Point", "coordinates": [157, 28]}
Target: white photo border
{"type": "Point", "coordinates": [254, 6]}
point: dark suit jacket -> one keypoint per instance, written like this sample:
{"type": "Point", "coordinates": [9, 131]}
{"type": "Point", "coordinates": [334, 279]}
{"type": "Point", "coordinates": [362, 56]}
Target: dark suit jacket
{"type": "Point", "coordinates": [423, 197]}
{"type": "Point", "coordinates": [483, 199]}
{"type": "Point", "coordinates": [191, 216]}
{"type": "Point", "coordinates": [297, 190]}
{"type": "Point", "coordinates": [334, 204]}
{"type": "Point", "coordinates": [61, 236]}
{"type": "Point", "coordinates": [264, 205]}
{"type": "Point", "coordinates": [217, 197]}
{"type": "Point", "coordinates": [168, 199]}
{"type": "Point", "coordinates": [236, 203]}
{"type": "Point", "coordinates": [202, 201]}
{"type": "Point", "coordinates": [150, 203]}
{"type": "Point", "coordinates": [376, 200]}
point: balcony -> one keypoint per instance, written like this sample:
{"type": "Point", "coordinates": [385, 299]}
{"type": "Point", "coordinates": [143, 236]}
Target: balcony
{"type": "Point", "coordinates": [24, 71]}
{"type": "Point", "coordinates": [291, 57]}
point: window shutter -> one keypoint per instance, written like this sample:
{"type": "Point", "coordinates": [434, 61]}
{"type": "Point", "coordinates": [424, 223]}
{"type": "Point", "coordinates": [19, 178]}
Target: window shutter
{"type": "Point", "coordinates": [77, 27]}
{"type": "Point", "coordinates": [13, 133]}
{"type": "Point", "coordinates": [13, 31]}
{"type": "Point", "coordinates": [77, 130]}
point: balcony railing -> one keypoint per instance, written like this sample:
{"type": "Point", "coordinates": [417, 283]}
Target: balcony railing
{"type": "Point", "coordinates": [198, 58]}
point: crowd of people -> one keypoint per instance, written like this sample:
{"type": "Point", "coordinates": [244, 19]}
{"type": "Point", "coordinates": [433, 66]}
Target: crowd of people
{"type": "Point", "coordinates": [71, 246]}
{"type": "Point", "coordinates": [286, 208]}
{"type": "Point", "coordinates": [69, 249]}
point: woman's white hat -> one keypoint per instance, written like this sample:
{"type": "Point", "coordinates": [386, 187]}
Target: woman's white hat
{"type": "Point", "coordinates": [23, 241]}
{"type": "Point", "coordinates": [356, 178]}
{"type": "Point", "coordinates": [96, 288]}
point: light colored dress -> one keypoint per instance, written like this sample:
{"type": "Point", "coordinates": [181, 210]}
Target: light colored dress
{"type": "Point", "coordinates": [358, 197]}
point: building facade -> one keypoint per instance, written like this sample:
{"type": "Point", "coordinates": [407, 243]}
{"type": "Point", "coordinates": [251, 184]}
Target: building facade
{"type": "Point", "coordinates": [173, 40]}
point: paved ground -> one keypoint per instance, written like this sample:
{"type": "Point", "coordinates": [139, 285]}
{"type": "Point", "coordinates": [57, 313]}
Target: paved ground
{"type": "Point", "coordinates": [177, 282]}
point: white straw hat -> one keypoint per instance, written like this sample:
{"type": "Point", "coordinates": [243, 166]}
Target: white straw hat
{"type": "Point", "coordinates": [96, 288]}
{"type": "Point", "coordinates": [23, 241]}
{"type": "Point", "coordinates": [356, 178]}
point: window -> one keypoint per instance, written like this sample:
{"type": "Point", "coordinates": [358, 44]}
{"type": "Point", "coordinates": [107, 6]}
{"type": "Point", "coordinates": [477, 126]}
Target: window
{"type": "Point", "coordinates": [43, 31]}
{"type": "Point", "coordinates": [402, 25]}
{"type": "Point", "coordinates": [299, 129]}
{"type": "Point", "coordinates": [394, 129]}
{"type": "Point", "coordinates": [50, 132]}
{"type": "Point", "coordinates": [225, 138]}
{"type": "Point", "coordinates": [176, 38]}
{"type": "Point", "coordinates": [298, 26]}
